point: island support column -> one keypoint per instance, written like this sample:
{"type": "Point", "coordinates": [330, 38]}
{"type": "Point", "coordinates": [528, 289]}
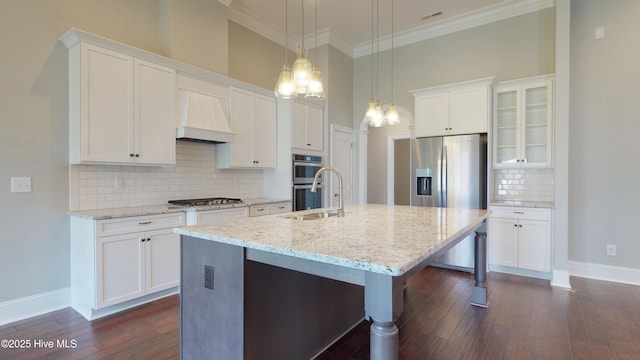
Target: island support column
{"type": "Point", "coordinates": [480, 287]}
{"type": "Point", "coordinates": [383, 301]}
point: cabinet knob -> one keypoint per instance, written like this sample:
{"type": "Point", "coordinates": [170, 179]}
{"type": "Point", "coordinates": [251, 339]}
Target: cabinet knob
{"type": "Point", "coordinates": [143, 240]}
{"type": "Point", "coordinates": [519, 225]}
{"type": "Point", "coordinates": [130, 155]}
{"type": "Point", "coordinates": [308, 144]}
{"type": "Point", "coordinates": [515, 225]}
{"type": "Point", "coordinates": [137, 155]}
{"type": "Point", "coordinates": [148, 239]}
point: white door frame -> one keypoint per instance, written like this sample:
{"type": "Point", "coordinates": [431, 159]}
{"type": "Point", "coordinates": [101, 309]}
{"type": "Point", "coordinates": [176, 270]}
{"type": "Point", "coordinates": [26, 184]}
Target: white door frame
{"type": "Point", "coordinates": [406, 117]}
{"type": "Point", "coordinates": [391, 151]}
{"type": "Point", "coordinates": [340, 128]}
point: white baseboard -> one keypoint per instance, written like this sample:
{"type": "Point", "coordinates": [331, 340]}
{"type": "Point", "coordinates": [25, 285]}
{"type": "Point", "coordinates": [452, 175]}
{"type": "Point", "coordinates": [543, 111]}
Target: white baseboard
{"type": "Point", "coordinates": [605, 272]}
{"type": "Point", "coordinates": [18, 309]}
{"type": "Point", "coordinates": [560, 279]}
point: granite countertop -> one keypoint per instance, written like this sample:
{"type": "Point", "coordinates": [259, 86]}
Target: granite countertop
{"type": "Point", "coordinates": [102, 214]}
{"type": "Point", "coordinates": [384, 239]}
{"type": "Point", "coordinates": [518, 203]}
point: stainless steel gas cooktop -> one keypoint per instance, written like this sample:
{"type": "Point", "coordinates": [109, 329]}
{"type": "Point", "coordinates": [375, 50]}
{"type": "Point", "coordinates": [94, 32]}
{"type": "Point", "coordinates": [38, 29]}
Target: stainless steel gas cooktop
{"type": "Point", "coordinates": [206, 201]}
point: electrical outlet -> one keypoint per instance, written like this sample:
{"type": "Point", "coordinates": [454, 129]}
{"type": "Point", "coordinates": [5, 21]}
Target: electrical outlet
{"type": "Point", "coordinates": [208, 277]}
{"type": "Point", "coordinates": [611, 250]}
{"type": "Point", "coordinates": [20, 184]}
{"type": "Point", "coordinates": [118, 182]}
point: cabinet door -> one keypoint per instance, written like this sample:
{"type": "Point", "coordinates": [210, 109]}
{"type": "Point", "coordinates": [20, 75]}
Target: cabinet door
{"type": "Point", "coordinates": [298, 125]}
{"type": "Point", "coordinates": [106, 105]}
{"type": "Point", "coordinates": [469, 111]}
{"type": "Point", "coordinates": [315, 128]}
{"type": "Point", "coordinates": [506, 122]}
{"type": "Point", "coordinates": [534, 245]}
{"type": "Point", "coordinates": [242, 123]}
{"type": "Point", "coordinates": [536, 125]}
{"type": "Point", "coordinates": [503, 242]}
{"type": "Point", "coordinates": [266, 132]}
{"type": "Point", "coordinates": [432, 115]}
{"type": "Point", "coordinates": [162, 260]}
{"type": "Point", "coordinates": [120, 268]}
{"type": "Point", "coordinates": [154, 130]}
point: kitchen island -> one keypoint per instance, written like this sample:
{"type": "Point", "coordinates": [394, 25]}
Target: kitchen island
{"type": "Point", "coordinates": [231, 270]}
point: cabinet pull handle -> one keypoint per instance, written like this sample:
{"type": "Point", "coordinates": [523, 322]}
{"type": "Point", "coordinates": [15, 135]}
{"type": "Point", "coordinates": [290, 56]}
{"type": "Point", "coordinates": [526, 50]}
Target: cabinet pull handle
{"type": "Point", "coordinates": [261, 209]}
{"type": "Point", "coordinates": [519, 212]}
{"type": "Point", "coordinates": [308, 144]}
{"type": "Point", "coordinates": [144, 223]}
{"type": "Point", "coordinates": [281, 207]}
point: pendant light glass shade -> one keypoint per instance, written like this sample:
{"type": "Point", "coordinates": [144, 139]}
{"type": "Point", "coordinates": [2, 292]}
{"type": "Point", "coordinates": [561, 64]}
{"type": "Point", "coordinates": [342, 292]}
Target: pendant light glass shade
{"type": "Point", "coordinates": [285, 89]}
{"type": "Point", "coordinates": [302, 71]}
{"type": "Point", "coordinates": [315, 90]}
{"type": "Point", "coordinates": [392, 117]}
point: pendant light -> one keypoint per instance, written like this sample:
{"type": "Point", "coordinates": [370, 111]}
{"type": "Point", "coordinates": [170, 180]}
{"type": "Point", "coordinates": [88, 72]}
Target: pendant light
{"type": "Point", "coordinates": [285, 89]}
{"type": "Point", "coordinates": [315, 90]}
{"type": "Point", "coordinates": [372, 108]}
{"type": "Point", "coordinates": [302, 69]}
{"type": "Point", "coordinates": [391, 116]}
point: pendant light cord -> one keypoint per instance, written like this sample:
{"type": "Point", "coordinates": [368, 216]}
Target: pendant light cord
{"type": "Point", "coordinates": [286, 31]}
{"type": "Point", "coordinates": [372, 37]}
{"type": "Point", "coordinates": [378, 49]}
{"type": "Point", "coordinates": [316, 35]}
{"type": "Point", "coordinates": [392, 67]}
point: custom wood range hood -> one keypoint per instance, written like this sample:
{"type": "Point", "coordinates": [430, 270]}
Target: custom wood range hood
{"type": "Point", "coordinates": [201, 111]}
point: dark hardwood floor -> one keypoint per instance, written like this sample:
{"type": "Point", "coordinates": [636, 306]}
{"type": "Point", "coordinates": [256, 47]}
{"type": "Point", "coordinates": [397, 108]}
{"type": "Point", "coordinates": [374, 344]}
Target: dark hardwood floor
{"type": "Point", "coordinates": [526, 319]}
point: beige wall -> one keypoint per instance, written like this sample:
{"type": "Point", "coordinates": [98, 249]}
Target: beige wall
{"type": "Point", "coordinates": [253, 58]}
{"type": "Point", "coordinates": [339, 88]}
{"type": "Point", "coordinates": [604, 196]}
{"type": "Point", "coordinates": [34, 116]}
{"type": "Point", "coordinates": [509, 49]}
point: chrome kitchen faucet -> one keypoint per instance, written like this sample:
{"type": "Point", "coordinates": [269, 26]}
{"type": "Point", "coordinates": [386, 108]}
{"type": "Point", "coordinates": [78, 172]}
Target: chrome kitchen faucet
{"type": "Point", "coordinates": [315, 185]}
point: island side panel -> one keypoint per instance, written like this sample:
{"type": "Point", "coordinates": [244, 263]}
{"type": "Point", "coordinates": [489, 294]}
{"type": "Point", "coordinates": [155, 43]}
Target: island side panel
{"type": "Point", "coordinates": [211, 320]}
{"type": "Point", "coordinates": [293, 315]}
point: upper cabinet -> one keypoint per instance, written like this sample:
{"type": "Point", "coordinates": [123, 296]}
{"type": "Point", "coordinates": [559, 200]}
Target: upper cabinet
{"type": "Point", "coordinates": [252, 118]}
{"type": "Point", "coordinates": [461, 108]}
{"type": "Point", "coordinates": [523, 123]}
{"type": "Point", "coordinates": [307, 130]}
{"type": "Point", "coordinates": [120, 108]}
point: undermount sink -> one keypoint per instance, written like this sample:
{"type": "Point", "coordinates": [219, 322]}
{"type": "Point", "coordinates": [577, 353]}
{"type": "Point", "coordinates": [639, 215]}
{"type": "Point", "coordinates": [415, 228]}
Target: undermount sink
{"type": "Point", "coordinates": [313, 215]}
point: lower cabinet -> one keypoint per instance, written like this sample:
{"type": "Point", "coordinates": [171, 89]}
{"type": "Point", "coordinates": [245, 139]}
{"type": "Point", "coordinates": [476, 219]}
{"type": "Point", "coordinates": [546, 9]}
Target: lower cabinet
{"type": "Point", "coordinates": [133, 265]}
{"type": "Point", "coordinates": [268, 209]}
{"type": "Point", "coordinates": [114, 262]}
{"type": "Point", "coordinates": [520, 239]}
{"type": "Point", "coordinates": [215, 216]}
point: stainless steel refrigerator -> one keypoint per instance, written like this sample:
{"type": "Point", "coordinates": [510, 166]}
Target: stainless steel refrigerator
{"type": "Point", "coordinates": [451, 171]}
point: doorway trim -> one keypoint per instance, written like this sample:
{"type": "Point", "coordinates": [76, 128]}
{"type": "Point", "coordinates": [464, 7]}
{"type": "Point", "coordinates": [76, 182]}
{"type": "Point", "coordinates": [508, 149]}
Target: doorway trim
{"type": "Point", "coordinates": [391, 151]}
{"type": "Point", "coordinates": [340, 128]}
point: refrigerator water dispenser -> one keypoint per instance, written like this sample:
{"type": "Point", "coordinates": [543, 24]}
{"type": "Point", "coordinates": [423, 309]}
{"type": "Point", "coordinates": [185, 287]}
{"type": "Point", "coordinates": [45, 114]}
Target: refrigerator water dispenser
{"type": "Point", "coordinates": [423, 182]}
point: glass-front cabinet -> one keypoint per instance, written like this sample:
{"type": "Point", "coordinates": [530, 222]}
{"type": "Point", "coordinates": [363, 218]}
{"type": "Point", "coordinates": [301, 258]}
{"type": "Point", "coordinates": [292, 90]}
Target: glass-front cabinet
{"type": "Point", "coordinates": [523, 123]}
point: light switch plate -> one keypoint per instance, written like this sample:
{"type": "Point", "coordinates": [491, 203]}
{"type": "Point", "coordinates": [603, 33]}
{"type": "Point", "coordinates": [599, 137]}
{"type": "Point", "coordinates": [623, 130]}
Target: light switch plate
{"type": "Point", "coordinates": [599, 32]}
{"type": "Point", "coordinates": [21, 184]}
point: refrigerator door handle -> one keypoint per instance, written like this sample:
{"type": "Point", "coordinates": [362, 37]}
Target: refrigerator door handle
{"type": "Point", "coordinates": [443, 177]}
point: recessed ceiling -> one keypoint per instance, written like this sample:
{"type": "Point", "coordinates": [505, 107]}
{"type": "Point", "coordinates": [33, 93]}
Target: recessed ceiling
{"type": "Point", "coordinates": [346, 24]}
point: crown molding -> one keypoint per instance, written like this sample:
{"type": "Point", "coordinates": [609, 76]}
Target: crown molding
{"type": "Point", "coordinates": [454, 24]}
{"type": "Point", "coordinates": [465, 21]}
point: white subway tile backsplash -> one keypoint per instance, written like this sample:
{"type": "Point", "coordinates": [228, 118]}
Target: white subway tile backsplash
{"type": "Point", "coordinates": [195, 175]}
{"type": "Point", "coordinates": [523, 185]}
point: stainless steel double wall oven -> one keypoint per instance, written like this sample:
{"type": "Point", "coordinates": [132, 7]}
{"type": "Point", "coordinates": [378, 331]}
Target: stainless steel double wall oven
{"type": "Point", "coordinates": [305, 168]}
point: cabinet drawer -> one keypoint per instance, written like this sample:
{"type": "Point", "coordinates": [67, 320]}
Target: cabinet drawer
{"type": "Point", "coordinates": [216, 216]}
{"type": "Point", "coordinates": [259, 210]}
{"type": "Point", "coordinates": [521, 213]}
{"type": "Point", "coordinates": [139, 223]}
{"type": "Point", "coordinates": [280, 208]}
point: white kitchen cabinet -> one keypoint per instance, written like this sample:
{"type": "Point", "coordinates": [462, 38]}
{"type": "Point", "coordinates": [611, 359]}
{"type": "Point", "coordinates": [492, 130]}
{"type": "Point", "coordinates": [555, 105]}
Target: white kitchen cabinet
{"type": "Point", "coordinates": [520, 239]}
{"type": "Point", "coordinates": [118, 263]}
{"type": "Point", "coordinates": [252, 117]}
{"type": "Point", "coordinates": [268, 209]}
{"type": "Point", "coordinates": [307, 128]}
{"type": "Point", "coordinates": [461, 108]}
{"type": "Point", "coordinates": [120, 108]}
{"type": "Point", "coordinates": [523, 123]}
{"type": "Point", "coordinates": [215, 216]}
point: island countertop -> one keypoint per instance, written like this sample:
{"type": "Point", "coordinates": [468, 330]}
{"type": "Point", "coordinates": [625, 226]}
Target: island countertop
{"type": "Point", "coordinates": [383, 239]}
